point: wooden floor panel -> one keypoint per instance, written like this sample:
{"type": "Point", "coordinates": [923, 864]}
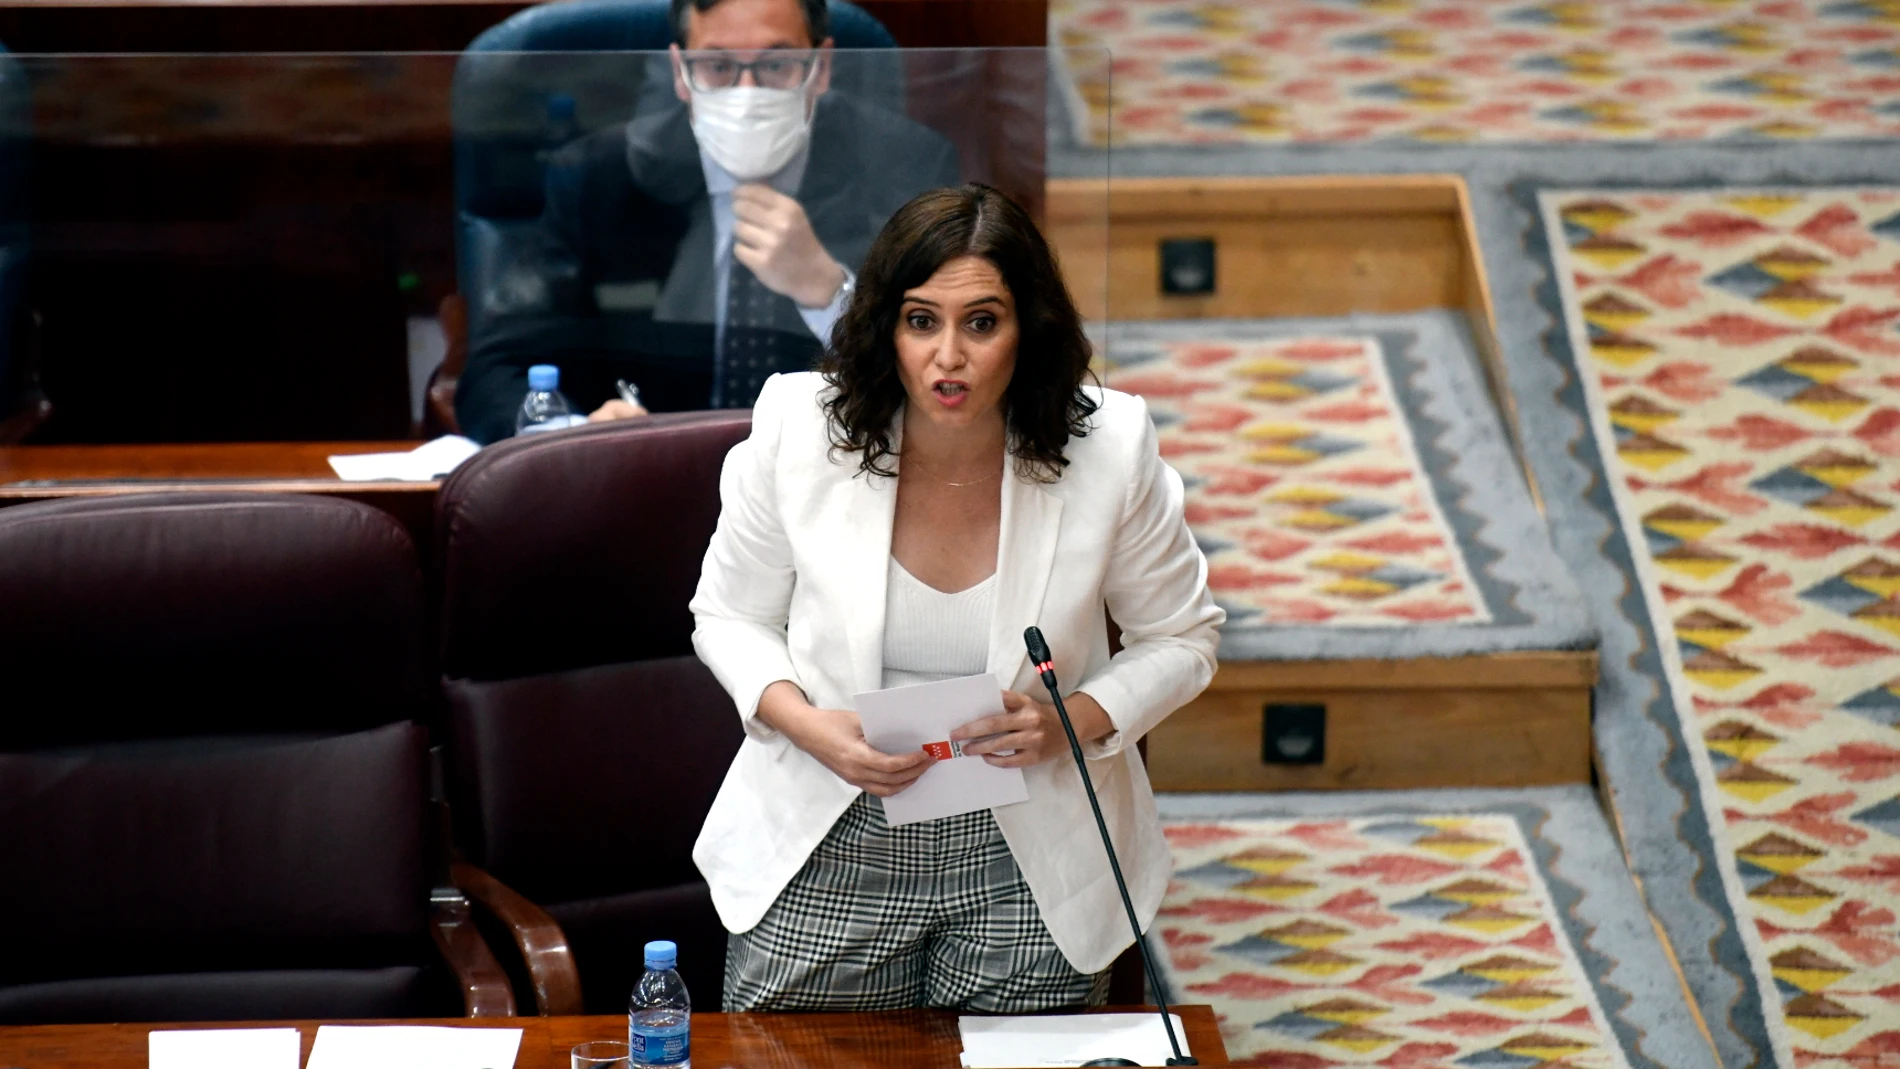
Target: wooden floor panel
{"type": "Point", "coordinates": [1503, 720]}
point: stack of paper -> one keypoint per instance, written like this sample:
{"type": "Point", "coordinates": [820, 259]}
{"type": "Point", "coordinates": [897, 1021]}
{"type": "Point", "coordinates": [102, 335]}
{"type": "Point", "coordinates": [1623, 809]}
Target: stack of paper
{"type": "Point", "coordinates": [430, 460]}
{"type": "Point", "coordinates": [1023, 1042]}
{"type": "Point", "coordinates": [225, 1048]}
{"type": "Point", "coordinates": [921, 717]}
{"type": "Point", "coordinates": [414, 1047]}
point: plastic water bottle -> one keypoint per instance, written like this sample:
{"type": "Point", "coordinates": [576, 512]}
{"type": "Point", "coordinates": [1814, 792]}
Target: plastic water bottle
{"type": "Point", "coordinates": [544, 409]}
{"type": "Point", "coordinates": [659, 1015]}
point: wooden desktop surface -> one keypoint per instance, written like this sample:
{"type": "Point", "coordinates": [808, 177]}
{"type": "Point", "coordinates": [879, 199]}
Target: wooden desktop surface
{"type": "Point", "coordinates": [924, 1039]}
{"type": "Point", "coordinates": [85, 470]}
{"type": "Point", "coordinates": [49, 472]}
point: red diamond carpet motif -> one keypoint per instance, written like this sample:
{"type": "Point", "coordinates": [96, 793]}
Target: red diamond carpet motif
{"type": "Point", "coordinates": [1402, 942]}
{"type": "Point", "coordinates": [1743, 368]}
{"type": "Point", "coordinates": [1460, 71]}
{"type": "Point", "coordinates": [1304, 487]}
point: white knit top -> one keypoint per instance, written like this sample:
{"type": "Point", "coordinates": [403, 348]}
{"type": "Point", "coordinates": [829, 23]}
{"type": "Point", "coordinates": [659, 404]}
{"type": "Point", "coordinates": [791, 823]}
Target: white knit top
{"type": "Point", "coordinates": [930, 635]}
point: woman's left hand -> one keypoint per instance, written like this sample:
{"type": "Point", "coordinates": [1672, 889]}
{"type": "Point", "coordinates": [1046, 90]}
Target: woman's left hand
{"type": "Point", "coordinates": [1031, 729]}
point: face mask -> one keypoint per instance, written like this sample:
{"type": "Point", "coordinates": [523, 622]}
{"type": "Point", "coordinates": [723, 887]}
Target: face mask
{"type": "Point", "coordinates": [751, 131]}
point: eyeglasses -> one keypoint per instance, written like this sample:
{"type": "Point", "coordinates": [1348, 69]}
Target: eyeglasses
{"type": "Point", "coordinates": [784, 69]}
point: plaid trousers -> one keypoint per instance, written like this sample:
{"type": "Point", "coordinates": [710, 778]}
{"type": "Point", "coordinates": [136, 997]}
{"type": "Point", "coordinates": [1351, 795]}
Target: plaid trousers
{"type": "Point", "coordinates": [929, 914]}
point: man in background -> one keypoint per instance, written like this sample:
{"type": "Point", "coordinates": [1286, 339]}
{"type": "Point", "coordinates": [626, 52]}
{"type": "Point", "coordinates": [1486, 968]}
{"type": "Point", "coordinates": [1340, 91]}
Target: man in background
{"type": "Point", "coordinates": [708, 243]}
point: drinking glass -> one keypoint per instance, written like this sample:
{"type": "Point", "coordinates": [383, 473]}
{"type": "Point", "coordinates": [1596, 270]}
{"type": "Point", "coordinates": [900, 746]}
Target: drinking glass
{"type": "Point", "coordinates": [601, 1054]}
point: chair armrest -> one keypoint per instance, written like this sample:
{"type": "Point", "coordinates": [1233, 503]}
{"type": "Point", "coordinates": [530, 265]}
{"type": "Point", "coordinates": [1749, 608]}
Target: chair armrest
{"type": "Point", "coordinates": [543, 946]}
{"type": "Point", "coordinates": [485, 988]}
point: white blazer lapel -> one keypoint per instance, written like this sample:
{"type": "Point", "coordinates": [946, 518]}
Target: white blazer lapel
{"type": "Point", "coordinates": [1025, 555]}
{"type": "Point", "coordinates": [863, 554]}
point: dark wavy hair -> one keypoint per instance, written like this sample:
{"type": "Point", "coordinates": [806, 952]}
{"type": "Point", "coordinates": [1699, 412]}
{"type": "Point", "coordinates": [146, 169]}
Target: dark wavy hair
{"type": "Point", "coordinates": [1044, 405]}
{"type": "Point", "coordinates": [817, 18]}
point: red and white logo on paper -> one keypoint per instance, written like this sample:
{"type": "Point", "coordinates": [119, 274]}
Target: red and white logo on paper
{"type": "Point", "coordinates": [944, 751]}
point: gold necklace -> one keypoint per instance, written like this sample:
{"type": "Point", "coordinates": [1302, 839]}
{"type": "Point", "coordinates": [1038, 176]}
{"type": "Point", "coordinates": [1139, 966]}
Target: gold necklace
{"type": "Point", "coordinates": [974, 482]}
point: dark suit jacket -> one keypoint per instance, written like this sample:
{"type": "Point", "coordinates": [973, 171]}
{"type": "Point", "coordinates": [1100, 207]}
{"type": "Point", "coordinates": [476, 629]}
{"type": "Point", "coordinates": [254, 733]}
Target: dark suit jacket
{"type": "Point", "coordinates": [615, 278]}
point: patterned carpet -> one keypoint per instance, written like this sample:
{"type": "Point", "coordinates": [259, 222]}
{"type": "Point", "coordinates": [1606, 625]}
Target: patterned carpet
{"type": "Point", "coordinates": [1353, 493]}
{"type": "Point", "coordinates": [1415, 938]}
{"type": "Point", "coordinates": [1350, 533]}
{"type": "Point", "coordinates": [1740, 353]}
{"type": "Point", "coordinates": [1487, 71]}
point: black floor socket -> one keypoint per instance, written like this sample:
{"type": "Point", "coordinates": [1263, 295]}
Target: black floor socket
{"type": "Point", "coordinates": [1187, 267]}
{"type": "Point", "coordinates": [1293, 734]}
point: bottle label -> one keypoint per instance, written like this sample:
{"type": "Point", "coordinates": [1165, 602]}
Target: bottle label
{"type": "Point", "coordinates": [665, 1045]}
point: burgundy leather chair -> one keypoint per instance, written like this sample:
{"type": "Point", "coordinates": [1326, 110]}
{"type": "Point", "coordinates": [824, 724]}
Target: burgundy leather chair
{"type": "Point", "coordinates": [213, 786]}
{"type": "Point", "coordinates": [585, 741]}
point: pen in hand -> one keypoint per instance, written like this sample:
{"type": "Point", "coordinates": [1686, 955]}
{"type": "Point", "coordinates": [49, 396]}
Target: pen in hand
{"type": "Point", "coordinates": [625, 406]}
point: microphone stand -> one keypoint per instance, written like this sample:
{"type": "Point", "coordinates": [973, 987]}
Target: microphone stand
{"type": "Point", "coordinates": [1045, 667]}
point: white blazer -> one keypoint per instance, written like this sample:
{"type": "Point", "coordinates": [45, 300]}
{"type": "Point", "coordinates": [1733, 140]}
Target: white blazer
{"type": "Point", "coordinates": [793, 588]}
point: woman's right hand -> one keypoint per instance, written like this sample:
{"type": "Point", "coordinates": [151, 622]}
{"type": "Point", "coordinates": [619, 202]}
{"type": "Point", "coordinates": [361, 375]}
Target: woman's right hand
{"type": "Point", "coordinates": [836, 738]}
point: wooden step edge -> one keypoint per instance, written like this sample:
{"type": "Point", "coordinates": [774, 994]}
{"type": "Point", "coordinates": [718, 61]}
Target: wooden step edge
{"type": "Point", "coordinates": [1490, 671]}
{"type": "Point", "coordinates": [1182, 200]}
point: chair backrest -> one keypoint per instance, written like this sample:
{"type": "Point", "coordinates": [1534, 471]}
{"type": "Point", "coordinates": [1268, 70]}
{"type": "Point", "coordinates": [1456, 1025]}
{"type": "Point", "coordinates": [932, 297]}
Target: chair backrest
{"type": "Point", "coordinates": [589, 783]}
{"type": "Point", "coordinates": [566, 563]}
{"type": "Point", "coordinates": [150, 879]}
{"type": "Point", "coordinates": [579, 549]}
{"type": "Point", "coordinates": [585, 742]}
{"type": "Point", "coordinates": [169, 615]}
{"type": "Point", "coordinates": [213, 791]}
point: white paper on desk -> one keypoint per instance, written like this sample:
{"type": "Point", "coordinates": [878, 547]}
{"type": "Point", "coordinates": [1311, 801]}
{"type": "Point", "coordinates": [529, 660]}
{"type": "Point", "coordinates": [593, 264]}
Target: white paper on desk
{"type": "Point", "coordinates": [414, 1047]}
{"type": "Point", "coordinates": [1071, 1039]}
{"type": "Point", "coordinates": [903, 719]}
{"type": "Point", "coordinates": [430, 460]}
{"type": "Point", "coordinates": [225, 1048]}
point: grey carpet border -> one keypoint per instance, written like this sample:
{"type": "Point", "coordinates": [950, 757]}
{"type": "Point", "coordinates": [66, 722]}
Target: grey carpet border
{"type": "Point", "coordinates": [1432, 363]}
{"type": "Point", "coordinates": [1641, 746]}
{"type": "Point", "coordinates": [1600, 908]}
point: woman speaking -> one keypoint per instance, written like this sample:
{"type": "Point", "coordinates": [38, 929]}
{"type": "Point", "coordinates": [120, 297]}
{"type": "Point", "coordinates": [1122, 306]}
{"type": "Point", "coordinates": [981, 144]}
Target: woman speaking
{"type": "Point", "coordinates": [945, 482]}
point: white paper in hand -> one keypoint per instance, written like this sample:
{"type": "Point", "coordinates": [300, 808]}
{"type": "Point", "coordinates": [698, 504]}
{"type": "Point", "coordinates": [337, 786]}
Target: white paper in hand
{"type": "Point", "coordinates": [906, 719]}
{"type": "Point", "coordinates": [225, 1048]}
{"type": "Point", "coordinates": [1071, 1039]}
{"type": "Point", "coordinates": [414, 1047]}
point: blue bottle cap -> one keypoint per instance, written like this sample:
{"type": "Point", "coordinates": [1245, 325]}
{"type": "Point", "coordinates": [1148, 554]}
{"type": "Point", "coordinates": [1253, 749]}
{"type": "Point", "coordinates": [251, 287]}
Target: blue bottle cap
{"type": "Point", "coordinates": [662, 954]}
{"type": "Point", "coordinates": [544, 377]}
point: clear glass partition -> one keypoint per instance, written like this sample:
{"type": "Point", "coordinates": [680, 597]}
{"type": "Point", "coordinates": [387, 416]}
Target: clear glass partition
{"type": "Point", "coordinates": [284, 247]}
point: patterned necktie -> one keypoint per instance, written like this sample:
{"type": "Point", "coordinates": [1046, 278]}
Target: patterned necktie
{"type": "Point", "coordinates": [756, 341]}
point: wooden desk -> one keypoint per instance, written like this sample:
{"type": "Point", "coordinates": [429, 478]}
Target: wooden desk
{"type": "Point", "coordinates": [49, 472]}
{"type": "Point", "coordinates": [895, 1040]}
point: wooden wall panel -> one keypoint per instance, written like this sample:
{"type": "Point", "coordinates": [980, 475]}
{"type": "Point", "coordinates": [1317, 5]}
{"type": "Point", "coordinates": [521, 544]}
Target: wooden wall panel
{"type": "Point", "coordinates": [1481, 314]}
{"type": "Point", "coordinates": [1324, 245]}
{"type": "Point", "coordinates": [1540, 670]}
{"type": "Point", "coordinates": [1284, 246]}
{"type": "Point", "coordinates": [210, 254]}
{"type": "Point", "coordinates": [416, 25]}
{"type": "Point", "coordinates": [1400, 724]}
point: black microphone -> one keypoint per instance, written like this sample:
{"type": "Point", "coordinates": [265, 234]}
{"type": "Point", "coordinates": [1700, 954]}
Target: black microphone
{"type": "Point", "coordinates": [1045, 667]}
